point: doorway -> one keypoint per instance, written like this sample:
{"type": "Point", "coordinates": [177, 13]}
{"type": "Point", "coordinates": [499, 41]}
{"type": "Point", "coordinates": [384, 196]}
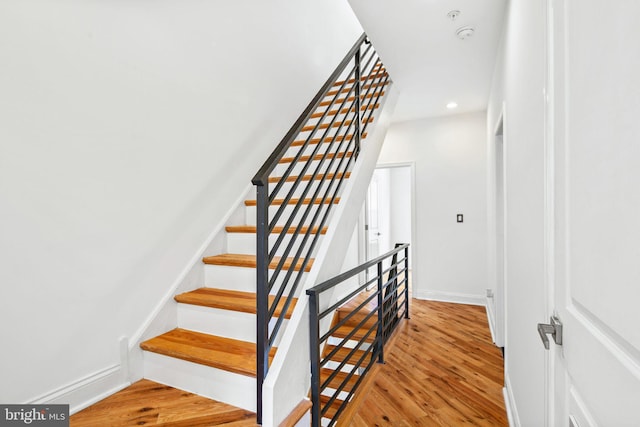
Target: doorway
{"type": "Point", "coordinates": [388, 211]}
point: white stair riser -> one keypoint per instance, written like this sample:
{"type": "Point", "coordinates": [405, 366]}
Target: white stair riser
{"type": "Point", "coordinates": [228, 387]}
{"type": "Point", "coordinates": [245, 243]}
{"type": "Point", "coordinates": [353, 343]}
{"type": "Point", "coordinates": [320, 133]}
{"type": "Point", "coordinates": [335, 365]}
{"type": "Point", "coordinates": [220, 322]}
{"type": "Point", "coordinates": [284, 191]}
{"type": "Point", "coordinates": [250, 214]}
{"type": "Point", "coordinates": [238, 278]}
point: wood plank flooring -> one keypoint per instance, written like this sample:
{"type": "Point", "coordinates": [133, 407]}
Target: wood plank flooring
{"type": "Point", "coordinates": [146, 403]}
{"type": "Point", "coordinates": [443, 370]}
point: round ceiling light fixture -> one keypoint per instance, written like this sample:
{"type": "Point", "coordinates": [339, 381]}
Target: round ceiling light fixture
{"type": "Point", "coordinates": [452, 105]}
{"type": "Point", "coordinates": [465, 32]}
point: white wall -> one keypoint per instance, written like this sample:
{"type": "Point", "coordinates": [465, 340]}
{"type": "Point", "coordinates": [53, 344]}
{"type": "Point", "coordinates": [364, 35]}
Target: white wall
{"type": "Point", "coordinates": [127, 131]}
{"type": "Point", "coordinates": [519, 81]}
{"type": "Point", "coordinates": [450, 172]}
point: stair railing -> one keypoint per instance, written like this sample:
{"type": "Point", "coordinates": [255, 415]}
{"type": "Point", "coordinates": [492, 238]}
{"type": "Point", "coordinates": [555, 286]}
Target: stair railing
{"type": "Point", "coordinates": [318, 164]}
{"type": "Point", "coordinates": [351, 357]}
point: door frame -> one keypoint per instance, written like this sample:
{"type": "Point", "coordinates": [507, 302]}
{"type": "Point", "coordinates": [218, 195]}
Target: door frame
{"type": "Point", "coordinates": [497, 319]}
{"type": "Point", "coordinates": [363, 236]}
{"type": "Point", "coordinates": [555, 402]}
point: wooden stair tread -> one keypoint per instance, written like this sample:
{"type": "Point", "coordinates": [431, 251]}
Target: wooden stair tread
{"type": "Point", "coordinates": [342, 353]}
{"type": "Point", "coordinates": [357, 317]}
{"type": "Point", "coordinates": [275, 179]}
{"type": "Point", "coordinates": [326, 140]}
{"type": "Point", "coordinates": [364, 87]}
{"type": "Point", "coordinates": [343, 111]}
{"type": "Point", "coordinates": [276, 230]}
{"type": "Point", "coordinates": [345, 330]}
{"type": "Point", "coordinates": [210, 350]}
{"type": "Point", "coordinates": [226, 299]}
{"type": "Point", "coordinates": [292, 201]}
{"type": "Point", "coordinates": [376, 74]}
{"type": "Point", "coordinates": [249, 261]}
{"type": "Point", "coordinates": [336, 124]}
{"type": "Point", "coordinates": [340, 377]}
{"type": "Point", "coordinates": [317, 157]}
{"type": "Point", "coordinates": [351, 98]}
{"type": "Point", "coordinates": [330, 410]}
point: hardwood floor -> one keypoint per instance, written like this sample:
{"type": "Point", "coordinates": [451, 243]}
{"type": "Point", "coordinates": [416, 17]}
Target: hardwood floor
{"type": "Point", "coordinates": [443, 370]}
{"type": "Point", "coordinates": [146, 403]}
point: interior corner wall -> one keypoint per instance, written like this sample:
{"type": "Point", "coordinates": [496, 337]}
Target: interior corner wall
{"type": "Point", "coordinates": [128, 130]}
{"type": "Point", "coordinates": [518, 87]}
{"type": "Point", "coordinates": [449, 156]}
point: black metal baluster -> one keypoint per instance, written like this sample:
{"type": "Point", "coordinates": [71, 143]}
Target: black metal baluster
{"type": "Point", "coordinates": [357, 83]}
{"type": "Point", "coordinates": [380, 336]}
{"type": "Point", "coordinates": [314, 337]}
{"type": "Point", "coordinates": [406, 282]}
{"type": "Point", "coordinates": [262, 292]}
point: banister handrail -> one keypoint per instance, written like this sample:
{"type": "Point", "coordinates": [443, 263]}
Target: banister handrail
{"type": "Point", "coordinates": [350, 273]}
{"type": "Point", "coordinates": [262, 175]}
{"type": "Point", "coordinates": [343, 353]}
{"type": "Point", "coordinates": [309, 185]}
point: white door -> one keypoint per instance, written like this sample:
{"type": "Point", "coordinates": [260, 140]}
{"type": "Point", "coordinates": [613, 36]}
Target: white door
{"type": "Point", "coordinates": [593, 212]}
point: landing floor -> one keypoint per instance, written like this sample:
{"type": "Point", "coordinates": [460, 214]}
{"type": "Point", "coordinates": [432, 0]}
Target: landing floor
{"type": "Point", "coordinates": [146, 403]}
{"type": "Point", "coordinates": [443, 370]}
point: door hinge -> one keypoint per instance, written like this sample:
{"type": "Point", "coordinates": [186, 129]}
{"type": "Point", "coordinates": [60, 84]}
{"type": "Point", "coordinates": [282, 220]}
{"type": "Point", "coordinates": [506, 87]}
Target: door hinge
{"type": "Point", "coordinates": [554, 329]}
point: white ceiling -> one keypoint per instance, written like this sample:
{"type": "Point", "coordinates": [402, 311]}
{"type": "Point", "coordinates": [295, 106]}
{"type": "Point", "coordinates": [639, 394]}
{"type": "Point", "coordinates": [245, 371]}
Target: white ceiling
{"type": "Point", "coordinates": [429, 64]}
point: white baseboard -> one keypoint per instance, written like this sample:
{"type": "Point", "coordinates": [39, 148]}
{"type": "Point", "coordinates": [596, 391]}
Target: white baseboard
{"type": "Point", "coordinates": [510, 403]}
{"type": "Point", "coordinates": [450, 297]}
{"type": "Point", "coordinates": [87, 390]}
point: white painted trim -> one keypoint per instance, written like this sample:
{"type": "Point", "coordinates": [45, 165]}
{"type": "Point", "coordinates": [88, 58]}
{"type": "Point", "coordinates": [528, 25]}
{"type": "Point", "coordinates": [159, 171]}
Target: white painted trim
{"type": "Point", "coordinates": [451, 297]}
{"type": "Point", "coordinates": [501, 294]}
{"type": "Point", "coordinates": [412, 192]}
{"type": "Point", "coordinates": [86, 391]}
{"type": "Point", "coordinates": [510, 403]}
{"type": "Point", "coordinates": [491, 318]}
{"type": "Point", "coordinates": [579, 410]}
{"type": "Point", "coordinates": [554, 397]}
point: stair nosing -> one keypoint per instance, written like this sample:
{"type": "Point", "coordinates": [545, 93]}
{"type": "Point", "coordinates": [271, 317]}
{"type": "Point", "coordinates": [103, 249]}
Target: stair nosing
{"type": "Point", "coordinates": [158, 345]}
{"type": "Point", "coordinates": [252, 229]}
{"type": "Point", "coordinates": [249, 261]}
{"type": "Point", "coordinates": [186, 298]}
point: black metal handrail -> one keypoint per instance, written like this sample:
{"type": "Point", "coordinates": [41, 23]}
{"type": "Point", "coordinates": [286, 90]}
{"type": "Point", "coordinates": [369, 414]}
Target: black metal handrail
{"type": "Point", "coordinates": [353, 355]}
{"type": "Point", "coordinates": [306, 187]}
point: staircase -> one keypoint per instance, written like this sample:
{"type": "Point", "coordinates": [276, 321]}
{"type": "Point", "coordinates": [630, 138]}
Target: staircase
{"type": "Point", "coordinates": [337, 370]}
{"type": "Point", "coordinates": [212, 349]}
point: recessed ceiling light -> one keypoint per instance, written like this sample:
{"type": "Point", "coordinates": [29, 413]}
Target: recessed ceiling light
{"type": "Point", "coordinates": [452, 105]}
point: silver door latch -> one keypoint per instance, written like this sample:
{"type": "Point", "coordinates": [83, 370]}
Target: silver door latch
{"type": "Point", "coordinates": [554, 329]}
